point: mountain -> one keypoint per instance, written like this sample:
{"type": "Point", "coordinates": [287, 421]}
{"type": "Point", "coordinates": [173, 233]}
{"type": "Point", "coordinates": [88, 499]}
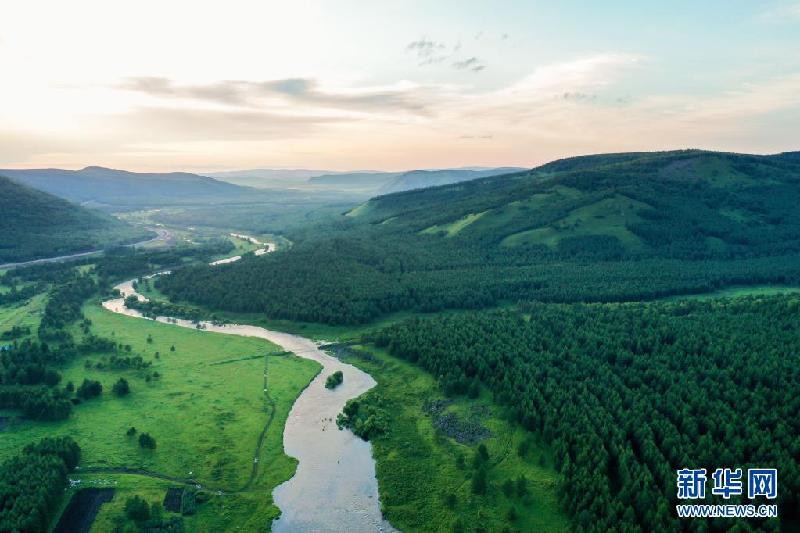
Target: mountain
{"type": "Point", "coordinates": [269, 178]}
{"type": "Point", "coordinates": [419, 179]}
{"type": "Point", "coordinates": [35, 224]}
{"type": "Point", "coordinates": [122, 188]}
{"type": "Point", "coordinates": [366, 181]}
{"type": "Point", "coordinates": [691, 203]}
{"type": "Point", "coordinates": [387, 182]}
{"type": "Point", "coordinates": [601, 228]}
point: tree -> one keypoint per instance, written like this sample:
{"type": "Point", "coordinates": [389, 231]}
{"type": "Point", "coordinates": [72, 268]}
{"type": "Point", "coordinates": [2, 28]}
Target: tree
{"type": "Point", "coordinates": [479, 481]}
{"type": "Point", "coordinates": [508, 488]}
{"type": "Point", "coordinates": [147, 442]}
{"type": "Point", "coordinates": [90, 389]}
{"type": "Point", "coordinates": [121, 387]}
{"type": "Point", "coordinates": [522, 486]}
{"type": "Point", "coordinates": [481, 456]}
{"type": "Point", "coordinates": [334, 380]}
{"type": "Point", "coordinates": [136, 509]}
{"type": "Point", "coordinates": [451, 500]}
{"type": "Point", "coordinates": [512, 514]}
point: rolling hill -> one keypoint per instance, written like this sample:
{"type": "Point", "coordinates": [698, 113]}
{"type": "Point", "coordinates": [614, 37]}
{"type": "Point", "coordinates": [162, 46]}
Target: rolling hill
{"type": "Point", "coordinates": [388, 182]}
{"type": "Point", "coordinates": [356, 181]}
{"type": "Point", "coordinates": [420, 179]}
{"type": "Point", "coordinates": [601, 228]}
{"type": "Point", "coordinates": [107, 186]}
{"type": "Point", "coordinates": [269, 178]}
{"type": "Point", "coordinates": [688, 203]}
{"type": "Point", "coordinates": [36, 224]}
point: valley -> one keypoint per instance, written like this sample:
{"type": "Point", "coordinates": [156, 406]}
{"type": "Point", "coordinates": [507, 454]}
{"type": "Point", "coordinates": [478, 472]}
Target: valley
{"type": "Point", "coordinates": [466, 336]}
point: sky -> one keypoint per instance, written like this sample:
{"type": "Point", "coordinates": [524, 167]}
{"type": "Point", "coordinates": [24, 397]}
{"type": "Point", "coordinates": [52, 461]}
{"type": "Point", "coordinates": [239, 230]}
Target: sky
{"type": "Point", "coordinates": [390, 85]}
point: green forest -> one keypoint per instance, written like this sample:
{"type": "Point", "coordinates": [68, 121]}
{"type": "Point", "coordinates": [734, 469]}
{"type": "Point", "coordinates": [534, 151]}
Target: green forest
{"type": "Point", "coordinates": [626, 394]}
{"type": "Point", "coordinates": [549, 348]}
{"type": "Point", "coordinates": [598, 229]}
{"type": "Point", "coordinates": [35, 224]}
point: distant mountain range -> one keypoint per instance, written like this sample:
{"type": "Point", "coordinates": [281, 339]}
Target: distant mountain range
{"type": "Point", "coordinates": [120, 189]}
{"type": "Point", "coordinates": [388, 182]}
{"type": "Point", "coordinates": [35, 224]}
{"type": "Point", "coordinates": [420, 179]}
{"type": "Point", "coordinates": [99, 185]}
{"type": "Point", "coordinates": [269, 178]}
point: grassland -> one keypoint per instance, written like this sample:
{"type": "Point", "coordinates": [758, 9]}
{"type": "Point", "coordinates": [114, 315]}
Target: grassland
{"type": "Point", "coordinates": [422, 486]}
{"type": "Point", "coordinates": [454, 227]}
{"type": "Point", "coordinates": [606, 217]}
{"type": "Point", "coordinates": [359, 210]}
{"type": "Point", "coordinates": [739, 292]}
{"type": "Point", "coordinates": [22, 313]}
{"type": "Point", "coordinates": [206, 418]}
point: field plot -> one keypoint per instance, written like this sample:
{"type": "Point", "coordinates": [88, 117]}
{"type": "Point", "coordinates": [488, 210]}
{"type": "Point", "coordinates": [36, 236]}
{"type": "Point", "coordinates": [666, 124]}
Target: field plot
{"type": "Point", "coordinates": [22, 314]}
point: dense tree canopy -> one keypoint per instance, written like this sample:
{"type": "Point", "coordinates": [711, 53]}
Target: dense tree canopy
{"type": "Point", "coordinates": [32, 483]}
{"type": "Point", "coordinates": [628, 393]}
{"type": "Point", "coordinates": [601, 229]}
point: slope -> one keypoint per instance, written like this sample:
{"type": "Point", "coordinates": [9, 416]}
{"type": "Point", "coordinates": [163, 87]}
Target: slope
{"type": "Point", "coordinates": [118, 187]}
{"type": "Point", "coordinates": [602, 229]}
{"type": "Point", "coordinates": [35, 224]}
{"type": "Point", "coordinates": [419, 179]}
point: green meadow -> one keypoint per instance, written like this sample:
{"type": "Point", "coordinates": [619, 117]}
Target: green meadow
{"type": "Point", "coordinates": [423, 484]}
{"type": "Point", "coordinates": [206, 410]}
{"type": "Point", "coordinates": [22, 313]}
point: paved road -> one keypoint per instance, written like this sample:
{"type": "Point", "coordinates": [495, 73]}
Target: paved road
{"type": "Point", "coordinates": [163, 235]}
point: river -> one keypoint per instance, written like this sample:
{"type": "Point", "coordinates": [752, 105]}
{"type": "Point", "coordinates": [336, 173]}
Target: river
{"type": "Point", "coordinates": [334, 488]}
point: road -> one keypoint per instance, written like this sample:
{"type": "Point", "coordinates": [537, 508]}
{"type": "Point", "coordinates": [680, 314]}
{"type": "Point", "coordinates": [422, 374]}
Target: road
{"type": "Point", "coordinates": [163, 235]}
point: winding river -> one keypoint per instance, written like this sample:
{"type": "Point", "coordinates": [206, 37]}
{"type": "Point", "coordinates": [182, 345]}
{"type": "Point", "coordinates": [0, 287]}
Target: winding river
{"type": "Point", "coordinates": [334, 487]}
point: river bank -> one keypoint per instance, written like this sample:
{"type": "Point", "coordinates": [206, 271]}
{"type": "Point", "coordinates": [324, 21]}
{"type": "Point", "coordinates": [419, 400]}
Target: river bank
{"type": "Point", "coordinates": [334, 487]}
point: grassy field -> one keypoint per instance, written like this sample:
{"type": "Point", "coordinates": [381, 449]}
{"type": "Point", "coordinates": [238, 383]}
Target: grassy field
{"type": "Point", "coordinates": [422, 486]}
{"type": "Point", "coordinates": [206, 412]}
{"type": "Point", "coordinates": [22, 313]}
{"type": "Point", "coordinates": [454, 227]}
{"type": "Point", "coordinates": [606, 217]}
{"type": "Point", "coordinates": [738, 292]}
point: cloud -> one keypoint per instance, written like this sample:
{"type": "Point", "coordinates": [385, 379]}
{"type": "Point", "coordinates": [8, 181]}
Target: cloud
{"type": "Point", "coordinates": [471, 63]}
{"type": "Point", "coordinates": [782, 12]}
{"type": "Point", "coordinates": [572, 76]}
{"type": "Point", "coordinates": [427, 51]}
{"type": "Point", "coordinates": [579, 96]}
{"type": "Point", "coordinates": [182, 124]}
{"type": "Point", "coordinates": [430, 52]}
{"type": "Point", "coordinates": [294, 91]}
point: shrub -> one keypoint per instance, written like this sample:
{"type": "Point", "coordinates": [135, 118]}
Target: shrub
{"type": "Point", "coordinates": [136, 509]}
{"type": "Point", "coordinates": [90, 389]}
{"type": "Point", "coordinates": [121, 387]}
{"type": "Point", "coordinates": [147, 442]}
{"type": "Point", "coordinates": [334, 380]}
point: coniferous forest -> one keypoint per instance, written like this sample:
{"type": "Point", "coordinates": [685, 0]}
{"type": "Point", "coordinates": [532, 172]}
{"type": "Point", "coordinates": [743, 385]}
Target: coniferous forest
{"type": "Point", "coordinates": [608, 228]}
{"type": "Point", "coordinates": [626, 394]}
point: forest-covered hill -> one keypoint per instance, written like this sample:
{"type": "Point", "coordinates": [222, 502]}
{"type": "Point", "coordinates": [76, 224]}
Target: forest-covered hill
{"type": "Point", "coordinates": [122, 188]}
{"type": "Point", "coordinates": [35, 224]}
{"type": "Point", "coordinates": [599, 228]}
